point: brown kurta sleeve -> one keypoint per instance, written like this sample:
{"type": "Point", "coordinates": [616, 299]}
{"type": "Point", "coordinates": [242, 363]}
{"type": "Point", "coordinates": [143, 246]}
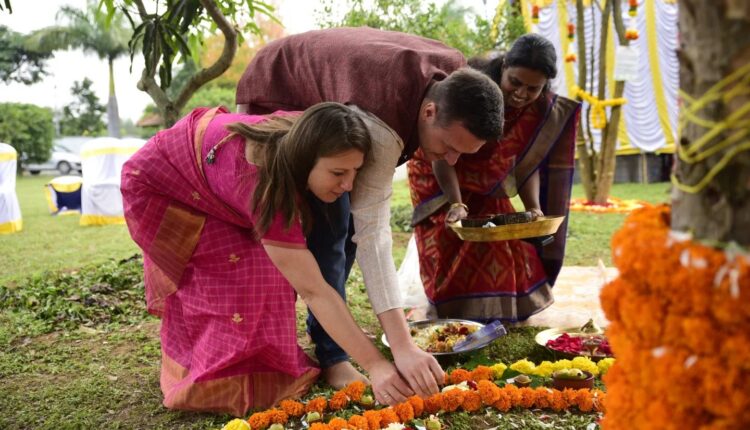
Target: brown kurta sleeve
{"type": "Point", "coordinates": [383, 72]}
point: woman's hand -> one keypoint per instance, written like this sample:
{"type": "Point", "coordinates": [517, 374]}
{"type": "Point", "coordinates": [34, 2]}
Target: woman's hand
{"type": "Point", "coordinates": [419, 369]}
{"type": "Point", "coordinates": [387, 385]}
{"type": "Point", "coordinates": [456, 212]}
{"type": "Point", "coordinates": [535, 213]}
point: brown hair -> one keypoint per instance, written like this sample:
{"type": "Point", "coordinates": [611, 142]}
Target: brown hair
{"type": "Point", "coordinates": [287, 148]}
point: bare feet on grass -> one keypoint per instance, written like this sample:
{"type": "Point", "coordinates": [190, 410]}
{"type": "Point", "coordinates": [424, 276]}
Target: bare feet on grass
{"type": "Point", "coordinates": [342, 374]}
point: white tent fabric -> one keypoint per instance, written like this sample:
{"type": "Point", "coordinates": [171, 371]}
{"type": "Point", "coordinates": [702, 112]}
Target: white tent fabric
{"type": "Point", "coordinates": [102, 160]}
{"type": "Point", "coordinates": [10, 210]}
{"type": "Point", "coordinates": [650, 116]}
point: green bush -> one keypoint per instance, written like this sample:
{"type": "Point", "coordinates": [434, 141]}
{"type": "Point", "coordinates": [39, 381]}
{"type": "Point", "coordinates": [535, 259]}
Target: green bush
{"type": "Point", "coordinates": [27, 128]}
{"type": "Point", "coordinates": [93, 296]}
{"type": "Point", "coordinates": [401, 218]}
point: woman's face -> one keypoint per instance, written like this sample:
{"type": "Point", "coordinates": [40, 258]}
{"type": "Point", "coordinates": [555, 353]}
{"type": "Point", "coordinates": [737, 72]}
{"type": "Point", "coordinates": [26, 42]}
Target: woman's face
{"type": "Point", "coordinates": [333, 176]}
{"type": "Point", "coordinates": [521, 86]}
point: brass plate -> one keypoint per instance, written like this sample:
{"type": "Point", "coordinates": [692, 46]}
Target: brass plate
{"type": "Point", "coordinates": [439, 322]}
{"type": "Point", "coordinates": [541, 226]}
{"type": "Point", "coordinates": [545, 336]}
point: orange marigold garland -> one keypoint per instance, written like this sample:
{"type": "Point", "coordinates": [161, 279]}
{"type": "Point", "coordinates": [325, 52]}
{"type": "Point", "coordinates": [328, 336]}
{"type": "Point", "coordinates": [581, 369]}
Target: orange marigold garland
{"type": "Point", "coordinates": [469, 396]}
{"type": "Point", "coordinates": [680, 326]}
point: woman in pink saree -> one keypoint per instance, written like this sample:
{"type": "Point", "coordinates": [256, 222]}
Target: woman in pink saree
{"type": "Point", "coordinates": [214, 203]}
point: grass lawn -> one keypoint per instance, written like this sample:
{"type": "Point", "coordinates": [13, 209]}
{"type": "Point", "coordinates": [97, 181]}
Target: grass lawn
{"type": "Point", "coordinates": [77, 349]}
{"type": "Point", "coordinates": [53, 243]}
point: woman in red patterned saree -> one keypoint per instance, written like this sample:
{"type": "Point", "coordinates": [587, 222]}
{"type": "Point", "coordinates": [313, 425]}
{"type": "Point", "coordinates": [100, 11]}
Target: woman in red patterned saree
{"type": "Point", "coordinates": [215, 204]}
{"type": "Point", "coordinates": [505, 280]}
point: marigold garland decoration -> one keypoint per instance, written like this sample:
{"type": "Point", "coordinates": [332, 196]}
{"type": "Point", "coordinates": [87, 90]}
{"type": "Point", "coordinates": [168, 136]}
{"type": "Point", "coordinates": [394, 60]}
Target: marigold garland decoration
{"type": "Point", "coordinates": [680, 325]}
{"type": "Point", "coordinates": [613, 205]}
{"type": "Point", "coordinates": [473, 397]}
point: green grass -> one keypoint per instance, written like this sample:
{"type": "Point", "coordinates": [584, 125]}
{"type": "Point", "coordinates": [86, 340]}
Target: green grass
{"type": "Point", "coordinates": [54, 243]}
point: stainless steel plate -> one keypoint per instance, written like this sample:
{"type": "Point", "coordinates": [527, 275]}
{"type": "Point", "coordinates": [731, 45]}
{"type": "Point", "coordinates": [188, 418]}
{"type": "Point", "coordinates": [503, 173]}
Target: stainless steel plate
{"type": "Point", "coordinates": [439, 322]}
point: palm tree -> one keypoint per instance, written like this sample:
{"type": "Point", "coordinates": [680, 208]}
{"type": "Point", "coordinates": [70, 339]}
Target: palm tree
{"type": "Point", "coordinates": [93, 31]}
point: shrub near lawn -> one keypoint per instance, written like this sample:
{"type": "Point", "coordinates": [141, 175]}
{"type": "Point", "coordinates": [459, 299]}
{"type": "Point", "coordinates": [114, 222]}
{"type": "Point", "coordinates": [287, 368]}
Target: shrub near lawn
{"type": "Point", "coordinates": [94, 296]}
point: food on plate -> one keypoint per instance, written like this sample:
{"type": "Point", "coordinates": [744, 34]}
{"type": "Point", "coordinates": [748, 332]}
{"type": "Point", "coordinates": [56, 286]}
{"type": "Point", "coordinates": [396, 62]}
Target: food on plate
{"type": "Point", "coordinates": [441, 337]}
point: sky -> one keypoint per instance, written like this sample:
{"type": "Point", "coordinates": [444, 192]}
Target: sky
{"type": "Point", "coordinates": [69, 66]}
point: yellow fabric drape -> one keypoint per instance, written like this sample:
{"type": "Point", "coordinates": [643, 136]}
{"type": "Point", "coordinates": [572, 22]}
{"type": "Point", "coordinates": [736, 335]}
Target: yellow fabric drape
{"type": "Point", "coordinates": [101, 220]}
{"type": "Point", "coordinates": [7, 156]}
{"type": "Point", "coordinates": [11, 227]}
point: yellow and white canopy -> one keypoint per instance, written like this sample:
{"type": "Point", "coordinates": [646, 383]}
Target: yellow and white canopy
{"type": "Point", "coordinates": [101, 160]}
{"type": "Point", "coordinates": [10, 211]}
{"type": "Point", "coordinates": [649, 120]}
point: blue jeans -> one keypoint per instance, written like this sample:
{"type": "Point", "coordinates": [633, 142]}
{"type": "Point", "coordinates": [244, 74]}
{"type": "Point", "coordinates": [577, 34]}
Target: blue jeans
{"type": "Point", "coordinates": [330, 241]}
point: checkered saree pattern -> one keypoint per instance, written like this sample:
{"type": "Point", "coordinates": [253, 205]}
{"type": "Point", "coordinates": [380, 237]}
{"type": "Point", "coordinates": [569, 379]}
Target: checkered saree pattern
{"type": "Point", "coordinates": [228, 315]}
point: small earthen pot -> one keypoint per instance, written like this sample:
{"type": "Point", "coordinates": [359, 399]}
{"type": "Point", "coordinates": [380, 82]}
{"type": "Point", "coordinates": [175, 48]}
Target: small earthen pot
{"type": "Point", "coordinates": [575, 384]}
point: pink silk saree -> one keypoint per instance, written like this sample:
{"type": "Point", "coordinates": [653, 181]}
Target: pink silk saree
{"type": "Point", "coordinates": [228, 334]}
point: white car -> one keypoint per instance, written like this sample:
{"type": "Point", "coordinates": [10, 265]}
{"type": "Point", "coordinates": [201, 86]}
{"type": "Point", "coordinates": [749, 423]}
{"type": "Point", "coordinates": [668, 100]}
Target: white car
{"type": "Point", "coordinates": [66, 158]}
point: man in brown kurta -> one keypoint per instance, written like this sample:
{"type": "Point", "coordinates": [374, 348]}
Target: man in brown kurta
{"type": "Point", "coordinates": [413, 94]}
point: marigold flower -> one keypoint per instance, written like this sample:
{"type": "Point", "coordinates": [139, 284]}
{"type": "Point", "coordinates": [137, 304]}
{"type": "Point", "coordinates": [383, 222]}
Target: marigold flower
{"type": "Point", "coordinates": [317, 404]}
{"type": "Point", "coordinates": [373, 419]}
{"type": "Point", "coordinates": [543, 398]}
{"type": "Point", "coordinates": [584, 363]}
{"type": "Point", "coordinates": [528, 397]}
{"type": "Point", "coordinates": [387, 416]}
{"type": "Point", "coordinates": [523, 366]}
{"type": "Point", "coordinates": [405, 411]}
{"type": "Point", "coordinates": [433, 404]}
{"type": "Point", "coordinates": [460, 375]}
{"type": "Point", "coordinates": [585, 401]}
{"type": "Point", "coordinates": [472, 401]}
{"type": "Point", "coordinates": [338, 401]}
{"type": "Point", "coordinates": [319, 426]}
{"type": "Point", "coordinates": [236, 424]}
{"type": "Point", "coordinates": [292, 408]}
{"type": "Point", "coordinates": [452, 399]}
{"type": "Point", "coordinates": [259, 420]}
{"type": "Point", "coordinates": [355, 390]}
{"type": "Point", "coordinates": [481, 373]}
{"type": "Point", "coordinates": [604, 365]}
{"type": "Point", "coordinates": [277, 416]}
{"type": "Point", "coordinates": [417, 404]}
{"type": "Point", "coordinates": [558, 401]}
{"type": "Point", "coordinates": [488, 392]}
{"type": "Point", "coordinates": [337, 424]}
{"type": "Point", "coordinates": [503, 402]}
{"type": "Point", "coordinates": [358, 422]}
{"type": "Point", "coordinates": [498, 370]}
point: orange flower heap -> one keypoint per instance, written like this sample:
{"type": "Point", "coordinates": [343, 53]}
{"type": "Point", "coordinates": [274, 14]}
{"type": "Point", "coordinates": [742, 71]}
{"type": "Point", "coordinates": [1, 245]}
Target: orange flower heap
{"type": "Point", "coordinates": [680, 326]}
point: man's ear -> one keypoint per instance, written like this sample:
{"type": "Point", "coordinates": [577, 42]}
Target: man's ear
{"type": "Point", "coordinates": [429, 112]}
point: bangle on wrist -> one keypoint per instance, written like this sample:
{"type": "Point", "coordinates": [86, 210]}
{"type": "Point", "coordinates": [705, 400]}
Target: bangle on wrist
{"type": "Point", "coordinates": [458, 205]}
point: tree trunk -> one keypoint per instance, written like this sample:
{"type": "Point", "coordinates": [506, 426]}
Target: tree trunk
{"type": "Point", "coordinates": [113, 113]}
{"type": "Point", "coordinates": [586, 154]}
{"type": "Point", "coordinates": [715, 42]}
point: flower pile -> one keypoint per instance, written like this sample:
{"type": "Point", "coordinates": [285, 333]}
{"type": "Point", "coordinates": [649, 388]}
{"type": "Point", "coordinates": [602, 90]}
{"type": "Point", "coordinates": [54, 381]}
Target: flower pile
{"type": "Point", "coordinates": [613, 205]}
{"type": "Point", "coordinates": [471, 391]}
{"type": "Point", "coordinates": [680, 326]}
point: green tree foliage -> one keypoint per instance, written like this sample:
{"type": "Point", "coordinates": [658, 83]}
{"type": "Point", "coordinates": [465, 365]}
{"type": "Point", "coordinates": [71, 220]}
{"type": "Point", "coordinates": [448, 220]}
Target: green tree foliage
{"type": "Point", "coordinates": [27, 128]}
{"type": "Point", "coordinates": [83, 117]}
{"type": "Point", "coordinates": [170, 31]}
{"type": "Point", "coordinates": [93, 31]}
{"type": "Point", "coordinates": [19, 63]}
{"type": "Point", "coordinates": [450, 23]}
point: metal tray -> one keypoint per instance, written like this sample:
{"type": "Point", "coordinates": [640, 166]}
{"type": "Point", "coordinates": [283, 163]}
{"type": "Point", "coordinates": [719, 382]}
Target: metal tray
{"type": "Point", "coordinates": [542, 226]}
{"type": "Point", "coordinates": [437, 322]}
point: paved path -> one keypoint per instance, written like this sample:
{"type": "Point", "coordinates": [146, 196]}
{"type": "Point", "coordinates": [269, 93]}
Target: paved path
{"type": "Point", "coordinates": [576, 294]}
